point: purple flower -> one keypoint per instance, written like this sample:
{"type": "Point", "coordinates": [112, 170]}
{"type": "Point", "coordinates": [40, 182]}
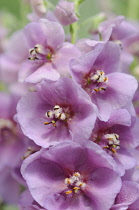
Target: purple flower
{"type": "Point", "coordinates": [65, 13]}
{"type": "Point", "coordinates": [49, 55]}
{"type": "Point", "coordinates": [117, 137]}
{"type": "Point", "coordinates": [57, 111]}
{"type": "Point", "coordinates": [70, 176]}
{"type": "Point", "coordinates": [96, 72]}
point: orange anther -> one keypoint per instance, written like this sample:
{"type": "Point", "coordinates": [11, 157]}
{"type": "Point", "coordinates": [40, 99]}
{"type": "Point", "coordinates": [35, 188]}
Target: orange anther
{"type": "Point", "coordinates": [68, 192]}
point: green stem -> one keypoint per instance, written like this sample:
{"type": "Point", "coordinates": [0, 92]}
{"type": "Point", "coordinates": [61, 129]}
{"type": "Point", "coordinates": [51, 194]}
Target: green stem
{"type": "Point", "coordinates": [49, 4]}
{"type": "Point", "coordinates": [74, 26]}
{"type": "Point", "coordinates": [133, 9]}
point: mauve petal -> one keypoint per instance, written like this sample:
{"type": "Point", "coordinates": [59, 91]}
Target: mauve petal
{"type": "Point", "coordinates": [131, 109]}
{"type": "Point", "coordinates": [119, 207]}
{"type": "Point", "coordinates": [120, 117]}
{"type": "Point", "coordinates": [105, 110]}
{"type": "Point", "coordinates": [128, 135]}
{"type": "Point", "coordinates": [86, 113]}
{"type": "Point", "coordinates": [65, 13]}
{"type": "Point", "coordinates": [124, 30]}
{"type": "Point", "coordinates": [122, 88]}
{"type": "Point", "coordinates": [82, 66]}
{"type": "Point", "coordinates": [106, 28]}
{"type": "Point", "coordinates": [108, 59]}
{"type": "Point", "coordinates": [98, 157]}
{"type": "Point", "coordinates": [75, 158]}
{"type": "Point", "coordinates": [53, 32]}
{"type": "Point", "coordinates": [103, 188]}
{"type": "Point", "coordinates": [128, 194]}
{"type": "Point", "coordinates": [44, 72]}
{"type": "Point", "coordinates": [33, 33]}
{"type": "Point", "coordinates": [48, 176]}
{"type": "Point", "coordinates": [109, 56]}
{"type": "Point", "coordinates": [26, 69]}
{"type": "Point", "coordinates": [17, 49]}
{"type": "Point", "coordinates": [84, 45]}
{"type": "Point", "coordinates": [126, 159]}
{"type": "Point", "coordinates": [58, 202]}
{"type": "Point", "coordinates": [63, 56]}
{"type": "Point", "coordinates": [63, 91]}
{"type": "Point", "coordinates": [106, 34]}
{"type": "Point", "coordinates": [35, 110]}
{"type": "Point", "coordinates": [135, 205]}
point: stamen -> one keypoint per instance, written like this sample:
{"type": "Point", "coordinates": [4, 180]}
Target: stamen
{"type": "Point", "coordinates": [49, 114]}
{"type": "Point", "coordinates": [40, 49]}
{"type": "Point", "coordinates": [113, 150]}
{"type": "Point", "coordinates": [113, 142]}
{"type": "Point", "coordinates": [32, 51]}
{"type": "Point", "coordinates": [52, 122]}
{"type": "Point", "coordinates": [68, 192]}
{"type": "Point", "coordinates": [77, 174]}
{"type": "Point", "coordinates": [99, 89]}
{"type": "Point", "coordinates": [56, 107]}
{"type": "Point", "coordinates": [99, 76]}
{"type": "Point", "coordinates": [75, 183]}
{"type": "Point", "coordinates": [33, 58]}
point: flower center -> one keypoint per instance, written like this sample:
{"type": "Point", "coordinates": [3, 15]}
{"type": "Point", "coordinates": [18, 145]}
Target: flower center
{"type": "Point", "coordinates": [113, 142]}
{"type": "Point", "coordinates": [39, 52]}
{"type": "Point", "coordinates": [96, 82]}
{"type": "Point", "coordinates": [110, 142]}
{"type": "Point", "coordinates": [74, 183]}
{"type": "Point", "coordinates": [58, 114]}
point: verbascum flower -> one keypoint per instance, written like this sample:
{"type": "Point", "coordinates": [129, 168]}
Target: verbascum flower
{"type": "Point", "coordinates": [57, 111]}
{"type": "Point", "coordinates": [70, 176]}
{"type": "Point", "coordinates": [96, 72]}
{"type": "Point", "coordinates": [65, 13]}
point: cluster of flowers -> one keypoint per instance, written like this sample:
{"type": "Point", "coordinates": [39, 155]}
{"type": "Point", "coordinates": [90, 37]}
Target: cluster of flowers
{"type": "Point", "coordinates": [68, 127]}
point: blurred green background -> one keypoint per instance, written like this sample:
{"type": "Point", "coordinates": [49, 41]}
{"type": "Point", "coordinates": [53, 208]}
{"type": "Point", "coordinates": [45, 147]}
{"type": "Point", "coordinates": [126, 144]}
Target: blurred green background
{"type": "Point", "coordinates": [89, 7]}
{"type": "Point", "coordinates": [19, 9]}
